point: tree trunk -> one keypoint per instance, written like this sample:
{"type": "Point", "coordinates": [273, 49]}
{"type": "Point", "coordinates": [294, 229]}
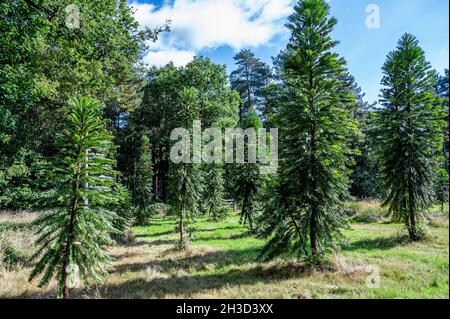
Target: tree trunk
{"type": "Point", "coordinates": [182, 239]}
{"type": "Point", "coordinates": [314, 207]}
{"type": "Point", "coordinates": [74, 204]}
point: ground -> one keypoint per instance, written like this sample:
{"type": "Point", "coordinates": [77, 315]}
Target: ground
{"type": "Point", "coordinates": [222, 263]}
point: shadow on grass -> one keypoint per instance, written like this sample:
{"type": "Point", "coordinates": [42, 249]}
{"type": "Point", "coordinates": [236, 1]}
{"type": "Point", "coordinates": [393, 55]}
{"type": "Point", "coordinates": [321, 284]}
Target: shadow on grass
{"type": "Point", "coordinates": [189, 285]}
{"type": "Point", "coordinates": [168, 283]}
{"type": "Point", "coordinates": [192, 263]}
{"type": "Point", "coordinates": [230, 237]}
{"type": "Point", "coordinates": [152, 235]}
{"type": "Point", "coordinates": [377, 243]}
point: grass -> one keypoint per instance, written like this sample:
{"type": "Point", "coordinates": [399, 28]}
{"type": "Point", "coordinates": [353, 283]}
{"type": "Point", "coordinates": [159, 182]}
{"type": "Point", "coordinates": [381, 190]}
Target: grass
{"type": "Point", "coordinates": [222, 263]}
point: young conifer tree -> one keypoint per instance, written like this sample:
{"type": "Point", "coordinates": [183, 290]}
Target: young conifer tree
{"type": "Point", "coordinates": [409, 133]}
{"type": "Point", "coordinates": [213, 192]}
{"type": "Point", "coordinates": [143, 195]}
{"type": "Point", "coordinates": [73, 235]}
{"type": "Point", "coordinates": [306, 212]}
{"type": "Point", "coordinates": [187, 178]}
{"type": "Point", "coordinates": [248, 179]}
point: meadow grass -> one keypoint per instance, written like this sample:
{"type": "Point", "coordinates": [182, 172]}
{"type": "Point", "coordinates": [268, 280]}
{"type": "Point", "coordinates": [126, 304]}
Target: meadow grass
{"type": "Point", "coordinates": [222, 262]}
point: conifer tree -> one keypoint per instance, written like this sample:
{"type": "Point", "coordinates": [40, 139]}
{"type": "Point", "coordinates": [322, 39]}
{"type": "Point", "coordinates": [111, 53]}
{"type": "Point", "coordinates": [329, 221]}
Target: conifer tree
{"type": "Point", "coordinates": [214, 191]}
{"type": "Point", "coordinates": [409, 133]}
{"type": "Point", "coordinates": [73, 236]}
{"type": "Point", "coordinates": [441, 187]}
{"type": "Point", "coordinates": [142, 196]}
{"type": "Point", "coordinates": [306, 212]}
{"type": "Point", "coordinates": [251, 76]}
{"type": "Point", "coordinates": [248, 179]}
{"type": "Point", "coordinates": [186, 178]}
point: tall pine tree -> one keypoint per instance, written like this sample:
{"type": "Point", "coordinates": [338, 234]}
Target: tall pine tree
{"type": "Point", "coordinates": [409, 133]}
{"type": "Point", "coordinates": [73, 236]}
{"type": "Point", "coordinates": [186, 178]}
{"type": "Point", "coordinates": [249, 79]}
{"type": "Point", "coordinates": [306, 213]}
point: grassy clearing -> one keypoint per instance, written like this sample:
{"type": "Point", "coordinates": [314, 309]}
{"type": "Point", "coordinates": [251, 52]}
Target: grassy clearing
{"type": "Point", "coordinates": [222, 263]}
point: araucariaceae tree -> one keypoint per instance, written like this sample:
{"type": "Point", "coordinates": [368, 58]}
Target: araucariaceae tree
{"type": "Point", "coordinates": [142, 182]}
{"type": "Point", "coordinates": [306, 212]}
{"type": "Point", "coordinates": [213, 192]}
{"type": "Point", "coordinates": [409, 133]}
{"type": "Point", "coordinates": [248, 179]}
{"type": "Point", "coordinates": [73, 234]}
{"type": "Point", "coordinates": [186, 177]}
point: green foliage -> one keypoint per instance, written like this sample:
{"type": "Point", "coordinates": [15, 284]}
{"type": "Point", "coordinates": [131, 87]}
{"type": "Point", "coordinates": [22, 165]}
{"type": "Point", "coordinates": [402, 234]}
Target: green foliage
{"type": "Point", "coordinates": [143, 182]}
{"type": "Point", "coordinates": [247, 178]}
{"type": "Point", "coordinates": [213, 191]}
{"type": "Point", "coordinates": [409, 132]}
{"type": "Point", "coordinates": [73, 234]}
{"type": "Point", "coordinates": [441, 187]}
{"type": "Point", "coordinates": [186, 178]}
{"type": "Point", "coordinates": [44, 62]}
{"type": "Point", "coordinates": [249, 79]}
{"type": "Point", "coordinates": [20, 182]}
{"type": "Point", "coordinates": [304, 212]}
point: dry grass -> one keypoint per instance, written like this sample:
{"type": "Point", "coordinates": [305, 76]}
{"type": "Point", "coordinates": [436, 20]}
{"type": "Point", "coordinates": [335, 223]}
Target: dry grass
{"type": "Point", "coordinates": [17, 216]}
{"type": "Point", "coordinates": [221, 263]}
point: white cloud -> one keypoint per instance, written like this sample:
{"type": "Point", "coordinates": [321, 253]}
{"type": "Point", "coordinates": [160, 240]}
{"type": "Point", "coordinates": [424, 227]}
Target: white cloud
{"type": "Point", "coordinates": [163, 57]}
{"type": "Point", "coordinates": [208, 24]}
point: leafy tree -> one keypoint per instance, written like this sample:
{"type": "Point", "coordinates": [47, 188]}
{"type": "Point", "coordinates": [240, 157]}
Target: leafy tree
{"type": "Point", "coordinates": [73, 236]}
{"type": "Point", "coordinates": [409, 131]}
{"type": "Point", "coordinates": [158, 113]}
{"type": "Point", "coordinates": [251, 76]}
{"type": "Point", "coordinates": [306, 214]}
{"type": "Point", "coordinates": [44, 62]}
{"type": "Point", "coordinates": [186, 178]}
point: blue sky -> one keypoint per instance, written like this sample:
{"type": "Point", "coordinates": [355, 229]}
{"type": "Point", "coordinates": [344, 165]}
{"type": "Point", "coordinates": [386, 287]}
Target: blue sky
{"type": "Point", "coordinates": [220, 28]}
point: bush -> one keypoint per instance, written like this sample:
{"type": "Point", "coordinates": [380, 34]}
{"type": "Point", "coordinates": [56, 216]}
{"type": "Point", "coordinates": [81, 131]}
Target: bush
{"type": "Point", "coordinates": [143, 216]}
{"type": "Point", "coordinates": [368, 211]}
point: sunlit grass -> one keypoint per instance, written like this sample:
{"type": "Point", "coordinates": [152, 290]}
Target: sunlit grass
{"type": "Point", "coordinates": [222, 262]}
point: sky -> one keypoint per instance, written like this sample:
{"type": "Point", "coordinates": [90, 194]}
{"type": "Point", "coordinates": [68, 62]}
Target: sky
{"type": "Point", "coordinates": [367, 31]}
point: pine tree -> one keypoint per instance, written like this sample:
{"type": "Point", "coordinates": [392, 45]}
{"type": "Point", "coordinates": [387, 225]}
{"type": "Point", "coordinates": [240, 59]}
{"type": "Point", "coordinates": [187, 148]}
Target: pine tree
{"type": "Point", "coordinates": [73, 236]}
{"type": "Point", "coordinates": [306, 213]}
{"type": "Point", "coordinates": [251, 76]}
{"type": "Point", "coordinates": [409, 133]}
{"type": "Point", "coordinates": [186, 178]}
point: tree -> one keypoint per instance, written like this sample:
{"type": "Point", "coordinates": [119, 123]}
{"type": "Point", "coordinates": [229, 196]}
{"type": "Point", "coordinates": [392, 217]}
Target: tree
{"type": "Point", "coordinates": [213, 192]}
{"type": "Point", "coordinates": [409, 133]}
{"type": "Point", "coordinates": [441, 187]}
{"type": "Point", "coordinates": [247, 179]}
{"type": "Point", "coordinates": [142, 194]}
{"type": "Point", "coordinates": [442, 89]}
{"type": "Point", "coordinates": [186, 178]}
{"type": "Point", "coordinates": [73, 236]}
{"type": "Point", "coordinates": [251, 76]}
{"type": "Point", "coordinates": [306, 214]}
{"type": "Point", "coordinates": [365, 174]}
{"type": "Point", "coordinates": [44, 62]}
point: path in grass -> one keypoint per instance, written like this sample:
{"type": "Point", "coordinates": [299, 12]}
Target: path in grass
{"type": "Point", "coordinates": [222, 263]}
